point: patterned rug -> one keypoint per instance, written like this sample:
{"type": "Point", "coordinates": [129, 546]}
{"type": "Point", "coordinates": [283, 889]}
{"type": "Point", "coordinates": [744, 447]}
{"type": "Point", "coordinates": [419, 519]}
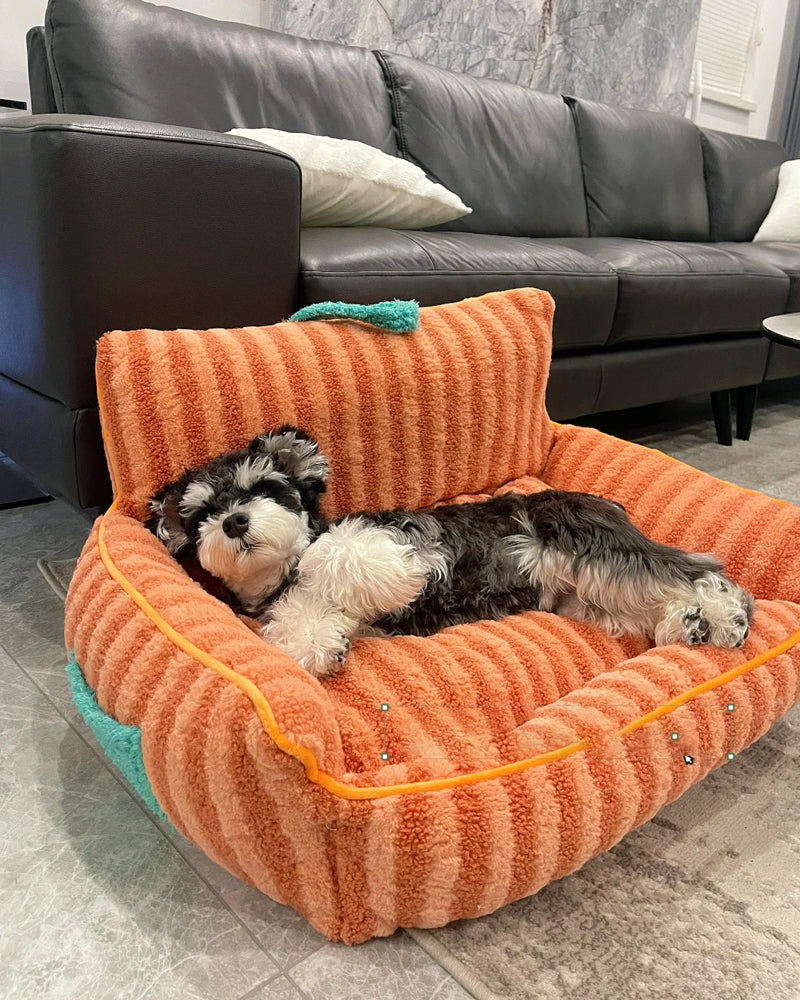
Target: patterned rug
{"type": "Point", "coordinates": [702, 902]}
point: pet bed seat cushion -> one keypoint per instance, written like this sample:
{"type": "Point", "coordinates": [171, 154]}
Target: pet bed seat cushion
{"type": "Point", "coordinates": [432, 778]}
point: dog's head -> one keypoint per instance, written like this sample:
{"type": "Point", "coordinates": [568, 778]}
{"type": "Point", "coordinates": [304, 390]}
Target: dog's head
{"type": "Point", "coordinates": [248, 515]}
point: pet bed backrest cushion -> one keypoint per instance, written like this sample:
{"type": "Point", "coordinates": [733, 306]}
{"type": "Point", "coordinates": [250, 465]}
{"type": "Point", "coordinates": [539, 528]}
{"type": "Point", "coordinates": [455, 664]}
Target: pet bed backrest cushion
{"type": "Point", "coordinates": [405, 420]}
{"type": "Point", "coordinates": [741, 179]}
{"type": "Point", "coordinates": [509, 152]}
{"type": "Point", "coordinates": [130, 59]}
{"type": "Point", "coordinates": [643, 173]}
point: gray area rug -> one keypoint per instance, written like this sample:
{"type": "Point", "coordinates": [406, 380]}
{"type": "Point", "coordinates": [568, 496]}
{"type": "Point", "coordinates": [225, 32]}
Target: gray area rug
{"type": "Point", "coordinates": [703, 902]}
{"type": "Point", "coordinates": [58, 573]}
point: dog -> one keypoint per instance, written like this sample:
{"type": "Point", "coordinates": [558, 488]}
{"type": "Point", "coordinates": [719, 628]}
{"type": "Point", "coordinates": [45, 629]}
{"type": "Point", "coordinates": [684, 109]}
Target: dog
{"type": "Point", "coordinates": [252, 518]}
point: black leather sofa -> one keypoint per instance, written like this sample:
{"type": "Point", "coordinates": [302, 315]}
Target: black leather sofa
{"type": "Point", "coordinates": [123, 206]}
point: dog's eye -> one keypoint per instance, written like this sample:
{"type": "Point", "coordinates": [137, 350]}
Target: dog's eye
{"type": "Point", "coordinates": [280, 492]}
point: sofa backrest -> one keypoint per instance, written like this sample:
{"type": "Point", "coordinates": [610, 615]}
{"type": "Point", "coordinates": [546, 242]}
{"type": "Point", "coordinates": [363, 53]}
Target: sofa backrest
{"type": "Point", "coordinates": [509, 152]}
{"type": "Point", "coordinates": [643, 173]}
{"type": "Point", "coordinates": [741, 180]}
{"type": "Point", "coordinates": [131, 59]}
{"type": "Point", "coordinates": [43, 98]}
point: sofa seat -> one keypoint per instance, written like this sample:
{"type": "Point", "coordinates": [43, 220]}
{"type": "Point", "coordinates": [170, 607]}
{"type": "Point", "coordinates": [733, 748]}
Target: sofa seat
{"type": "Point", "coordinates": [783, 361]}
{"type": "Point", "coordinates": [677, 289]}
{"type": "Point", "coordinates": [367, 265]}
{"type": "Point", "coordinates": [784, 256]}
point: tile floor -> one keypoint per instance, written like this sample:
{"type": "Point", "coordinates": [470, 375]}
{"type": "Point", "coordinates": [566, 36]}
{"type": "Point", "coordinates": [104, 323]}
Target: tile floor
{"type": "Point", "coordinates": [97, 900]}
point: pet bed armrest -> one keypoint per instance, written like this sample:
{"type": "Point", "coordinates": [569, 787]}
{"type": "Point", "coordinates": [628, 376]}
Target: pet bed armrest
{"type": "Point", "coordinates": [757, 537]}
{"type": "Point", "coordinates": [126, 584]}
{"type": "Point", "coordinates": [115, 224]}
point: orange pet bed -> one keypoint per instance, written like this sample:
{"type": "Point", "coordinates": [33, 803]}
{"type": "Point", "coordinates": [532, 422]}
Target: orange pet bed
{"type": "Point", "coordinates": [432, 778]}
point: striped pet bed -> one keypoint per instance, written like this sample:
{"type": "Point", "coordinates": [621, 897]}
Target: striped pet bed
{"type": "Point", "coordinates": [434, 778]}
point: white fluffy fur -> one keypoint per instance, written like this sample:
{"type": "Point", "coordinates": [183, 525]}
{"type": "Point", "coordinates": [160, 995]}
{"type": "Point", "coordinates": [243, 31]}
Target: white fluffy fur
{"type": "Point", "coordinates": [254, 469]}
{"type": "Point", "coordinates": [352, 573]}
{"type": "Point", "coordinates": [274, 541]}
{"type": "Point", "coordinates": [196, 494]}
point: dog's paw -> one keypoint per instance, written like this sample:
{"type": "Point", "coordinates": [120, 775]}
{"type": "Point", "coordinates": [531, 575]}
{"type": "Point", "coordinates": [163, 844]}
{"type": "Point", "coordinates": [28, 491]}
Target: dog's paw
{"type": "Point", "coordinates": [696, 629]}
{"type": "Point", "coordinates": [730, 628]}
{"type": "Point", "coordinates": [720, 614]}
{"type": "Point", "coordinates": [727, 608]}
{"type": "Point", "coordinates": [325, 662]}
{"type": "Point", "coordinates": [320, 645]}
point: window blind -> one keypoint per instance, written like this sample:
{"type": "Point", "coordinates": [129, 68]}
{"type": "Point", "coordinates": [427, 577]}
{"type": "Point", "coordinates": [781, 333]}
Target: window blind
{"type": "Point", "coordinates": [726, 39]}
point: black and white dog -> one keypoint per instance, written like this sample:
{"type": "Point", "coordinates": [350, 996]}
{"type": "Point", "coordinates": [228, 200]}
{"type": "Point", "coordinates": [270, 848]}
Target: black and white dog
{"type": "Point", "coordinates": [252, 519]}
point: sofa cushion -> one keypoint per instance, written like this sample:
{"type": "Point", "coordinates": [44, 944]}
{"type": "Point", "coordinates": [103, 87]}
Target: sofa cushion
{"type": "Point", "coordinates": [128, 59]}
{"type": "Point", "coordinates": [672, 289]}
{"type": "Point", "coordinates": [367, 265]}
{"type": "Point", "coordinates": [741, 181]}
{"type": "Point", "coordinates": [43, 101]}
{"type": "Point", "coordinates": [643, 173]}
{"type": "Point", "coordinates": [784, 256]}
{"type": "Point", "coordinates": [507, 151]}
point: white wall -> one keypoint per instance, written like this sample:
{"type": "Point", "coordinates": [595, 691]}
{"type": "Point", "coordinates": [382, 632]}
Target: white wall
{"type": "Point", "coordinates": [767, 62]}
{"type": "Point", "coordinates": [243, 11]}
{"type": "Point", "coordinates": [16, 16]}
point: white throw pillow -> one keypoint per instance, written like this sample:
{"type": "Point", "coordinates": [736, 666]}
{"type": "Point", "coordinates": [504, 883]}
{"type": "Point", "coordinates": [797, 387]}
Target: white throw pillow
{"type": "Point", "coordinates": [347, 183]}
{"type": "Point", "coordinates": [782, 223]}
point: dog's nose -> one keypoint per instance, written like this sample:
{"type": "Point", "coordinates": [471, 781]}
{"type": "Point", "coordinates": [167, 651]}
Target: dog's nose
{"type": "Point", "coordinates": [235, 525]}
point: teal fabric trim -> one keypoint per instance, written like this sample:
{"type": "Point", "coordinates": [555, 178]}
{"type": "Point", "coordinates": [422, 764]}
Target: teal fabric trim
{"type": "Point", "coordinates": [122, 744]}
{"type": "Point", "coordinates": [395, 315]}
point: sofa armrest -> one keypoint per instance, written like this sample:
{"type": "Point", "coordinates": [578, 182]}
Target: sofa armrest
{"type": "Point", "coordinates": [757, 537]}
{"type": "Point", "coordinates": [115, 224]}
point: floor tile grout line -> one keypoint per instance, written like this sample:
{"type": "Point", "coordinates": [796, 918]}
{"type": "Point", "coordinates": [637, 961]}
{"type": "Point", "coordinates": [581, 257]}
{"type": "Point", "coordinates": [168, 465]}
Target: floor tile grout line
{"type": "Point", "coordinates": [106, 763]}
{"type": "Point", "coordinates": [299, 961]}
{"type": "Point", "coordinates": [250, 933]}
{"type": "Point", "coordinates": [300, 990]}
{"type": "Point", "coordinates": [264, 982]}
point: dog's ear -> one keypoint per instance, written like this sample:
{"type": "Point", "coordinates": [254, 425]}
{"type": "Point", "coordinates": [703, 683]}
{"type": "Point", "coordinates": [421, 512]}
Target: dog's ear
{"type": "Point", "coordinates": [165, 519]}
{"type": "Point", "coordinates": [297, 455]}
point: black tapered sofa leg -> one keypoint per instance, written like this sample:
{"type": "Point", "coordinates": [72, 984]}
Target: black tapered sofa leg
{"type": "Point", "coordinates": [746, 397]}
{"type": "Point", "coordinates": [721, 408]}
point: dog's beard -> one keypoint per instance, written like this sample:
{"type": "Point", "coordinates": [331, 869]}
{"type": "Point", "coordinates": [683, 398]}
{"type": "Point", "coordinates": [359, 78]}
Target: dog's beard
{"type": "Point", "coordinates": [255, 565]}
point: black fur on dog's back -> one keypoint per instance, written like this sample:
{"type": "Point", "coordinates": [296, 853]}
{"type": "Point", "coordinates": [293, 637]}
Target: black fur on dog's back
{"type": "Point", "coordinates": [480, 543]}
